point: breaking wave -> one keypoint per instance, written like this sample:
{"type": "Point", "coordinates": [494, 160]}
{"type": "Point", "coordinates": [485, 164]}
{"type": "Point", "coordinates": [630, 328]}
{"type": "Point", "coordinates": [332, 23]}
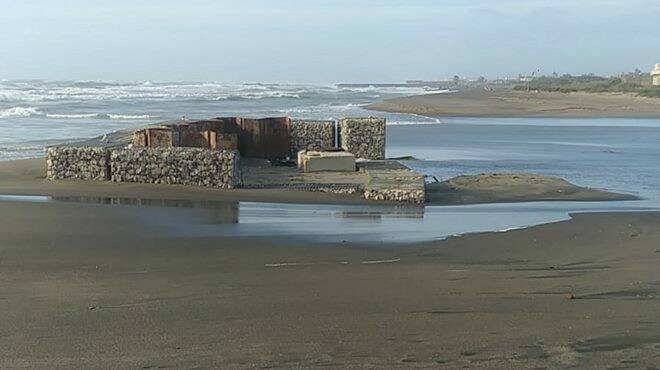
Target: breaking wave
{"type": "Point", "coordinates": [19, 112]}
{"type": "Point", "coordinates": [103, 116]}
{"type": "Point", "coordinates": [26, 112]}
{"type": "Point", "coordinates": [411, 123]}
{"type": "Point", "coordinates": [63, 91]}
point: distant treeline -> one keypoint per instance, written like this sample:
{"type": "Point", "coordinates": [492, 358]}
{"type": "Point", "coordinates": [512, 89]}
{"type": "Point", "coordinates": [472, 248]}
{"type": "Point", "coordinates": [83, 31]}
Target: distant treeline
{"type": "Point", "coordinates": [635, 82]}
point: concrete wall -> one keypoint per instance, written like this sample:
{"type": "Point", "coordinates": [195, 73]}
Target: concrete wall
{"type": "Point", "coordinates": [84, 163]}
{"type": "Point", "coordinates": [185, 166]}
{"type": "Point", "coordinates": [364, 137]}
{"type": "Point", "coordinates": [311, 135]}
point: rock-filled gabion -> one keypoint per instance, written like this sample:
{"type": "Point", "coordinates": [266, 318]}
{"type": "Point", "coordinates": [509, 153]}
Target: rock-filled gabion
{"type": "Point", "coordinates": [83, 163]}
{"type": "Point", "coordinates": [185, 166]}
{"type": "Point", "coordinates": [364, 137]}
{"type": "Point", "coordinates": [336, 188]}
{"type": "Point", "coordinates": [311, 135]}
{"type": "Point", "coordinates": [396, 195]}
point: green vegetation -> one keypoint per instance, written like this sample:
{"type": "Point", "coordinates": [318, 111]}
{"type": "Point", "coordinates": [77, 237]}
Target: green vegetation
{"type": "Point", "coordinates": [636, 82]}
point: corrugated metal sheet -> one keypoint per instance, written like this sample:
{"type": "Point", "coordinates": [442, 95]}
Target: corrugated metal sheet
{"type": "Point", "coordinates": [267, 138]}
{"type": "Point", "coordinates": [264, 137]}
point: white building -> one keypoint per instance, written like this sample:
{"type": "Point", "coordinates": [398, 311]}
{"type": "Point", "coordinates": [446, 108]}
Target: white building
{"type": "Point", "coordinates": [656, 75]}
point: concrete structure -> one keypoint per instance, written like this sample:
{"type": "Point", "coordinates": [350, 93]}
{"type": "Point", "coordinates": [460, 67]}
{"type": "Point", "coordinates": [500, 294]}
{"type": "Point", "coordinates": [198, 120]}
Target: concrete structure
{"type": "Point", "coordinates": [655, 73]}
{"type": "Point", "coordinates": [313, 161]}
{"type": "Point", "coordinates": [206, 153]}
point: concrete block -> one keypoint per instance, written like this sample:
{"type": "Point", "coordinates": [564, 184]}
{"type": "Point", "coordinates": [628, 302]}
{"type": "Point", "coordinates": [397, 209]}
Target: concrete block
{"type": "Point", "coordinates": [312, 161]}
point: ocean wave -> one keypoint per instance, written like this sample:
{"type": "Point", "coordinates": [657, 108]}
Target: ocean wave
{"type": "Point", "coordinates": [412, 123]}
{"type": "Point", "coordinates": [26, 112]}
{"type": "Point", "coordinates": [82, 115]}
{"type": "Point", "coordinates": [130, 116]}
{"type": "Point", "coordinates": [19, 112]}
{"type": "Point", "coordinates": [321, 108]}
{"type": "Point", "coordinates": [64, 91]}
{"type": "Point", "coordinates": [259, 96]}
{"type": "Point", "coordinates": [125, 117]}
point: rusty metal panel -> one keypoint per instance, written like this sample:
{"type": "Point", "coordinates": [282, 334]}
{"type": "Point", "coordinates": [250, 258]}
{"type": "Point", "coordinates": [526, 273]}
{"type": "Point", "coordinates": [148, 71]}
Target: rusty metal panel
{"type": "Point", "coordinates": [250, 138]}
{"type": "Point", "coordinates": [210, 137]}
{"type": "Point", "coordinates": [264, 138]}
{"type": "Point", "coordinates": [226, 141]}
{"type": "Point", "coordinates": [225, 125]}
{"type": "Point", "coordinates": [191, 136]}
{"type": "Point", "coordinates": [160, 137]}
{"type": "Point", "coordinates": [219, 124]}
{"type": "Point", "coordinates": [139, 138]}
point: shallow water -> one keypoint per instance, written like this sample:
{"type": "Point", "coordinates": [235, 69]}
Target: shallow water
{"type": "Point", "coordinates": [612, 154]}
{"type": "Point", "coordinates": [384, 225]}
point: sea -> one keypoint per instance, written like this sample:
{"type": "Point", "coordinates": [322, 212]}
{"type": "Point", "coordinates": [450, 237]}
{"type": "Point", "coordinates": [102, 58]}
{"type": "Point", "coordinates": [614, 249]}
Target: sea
{"type": "Point", "coordinates": [614, 154]}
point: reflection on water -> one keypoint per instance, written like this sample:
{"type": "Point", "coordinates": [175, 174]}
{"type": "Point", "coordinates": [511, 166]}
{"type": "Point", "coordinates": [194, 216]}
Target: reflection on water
{"type": "Point", "coordinates": [377, 223]}
{"type": "Point", "coordinates": [147, 202]}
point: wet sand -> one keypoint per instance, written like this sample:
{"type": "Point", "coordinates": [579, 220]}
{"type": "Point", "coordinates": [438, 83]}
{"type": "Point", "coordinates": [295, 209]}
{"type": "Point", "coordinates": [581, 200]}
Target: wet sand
{"type": "Point", "coordinates": [90, 286]}
{"type": "Point", "coordinates": [513, 187]}
{"type": "Point", "coordinates": [97, 286]}
{"type": "Point", "coordinates": [509, 103]}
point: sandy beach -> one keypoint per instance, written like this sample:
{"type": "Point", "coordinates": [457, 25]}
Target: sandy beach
{"type": "Point", "coordinates": [89, 285]}
{"type": "Point", "coordinates": [509, 103]}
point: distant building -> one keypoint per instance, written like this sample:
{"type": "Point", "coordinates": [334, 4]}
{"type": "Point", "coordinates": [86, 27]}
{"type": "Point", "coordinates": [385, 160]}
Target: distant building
{"type": "Point", "coordinates": [656, 75]}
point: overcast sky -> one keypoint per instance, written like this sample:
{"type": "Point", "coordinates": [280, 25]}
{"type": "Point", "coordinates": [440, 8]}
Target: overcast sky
{"type": "Point", "coordinates": [323, 41]}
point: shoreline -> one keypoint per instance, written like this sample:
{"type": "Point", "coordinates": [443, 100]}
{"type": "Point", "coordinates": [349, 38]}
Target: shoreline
{"type": "Point", "coordinates": [26, 177]}
{"type": "Point", "coordinates": [136, 287]}
{"type": "Point", "coordinates": [94, 285]}
{"type": "Point", "coordinates": [506, 103]}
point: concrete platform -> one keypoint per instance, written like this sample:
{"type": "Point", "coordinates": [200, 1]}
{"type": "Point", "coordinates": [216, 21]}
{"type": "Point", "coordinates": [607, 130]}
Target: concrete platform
{"type": "Point", "coordinates": [374, 180]}
{"type": "Point", "coordinates": [317, 161]}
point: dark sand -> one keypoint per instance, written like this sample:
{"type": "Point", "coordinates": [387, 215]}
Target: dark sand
{"type": "Point", "coordinates": [509, 103]}
{"type": "Point", "coordinates": [513, 187]}
{"type": "Point", "coordinates": [93, 286]}
{"type": "Point", "coordinates": [87, 286]}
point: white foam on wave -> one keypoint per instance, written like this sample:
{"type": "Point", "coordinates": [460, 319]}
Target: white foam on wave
{"type": "Point", "coordinates": [20, 112]}
{"type": "Point", "coordinates": [26, 112]}
{"type": "Point", "coordinates": [321, 108]}
{"type": "Point", "coordinates": [413, 123]}
{"type": "Point", "coordinates": [131, 116]}
{"type": "Point", "coordinates": [36, 91]}
{"type": "Point", "coordinates": [423, 120]}
{"type": "Point", "coordinates": [82, 115]}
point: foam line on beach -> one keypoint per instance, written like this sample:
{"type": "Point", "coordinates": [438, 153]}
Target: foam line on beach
{"type": "Point", "coordinates": [374, 262]}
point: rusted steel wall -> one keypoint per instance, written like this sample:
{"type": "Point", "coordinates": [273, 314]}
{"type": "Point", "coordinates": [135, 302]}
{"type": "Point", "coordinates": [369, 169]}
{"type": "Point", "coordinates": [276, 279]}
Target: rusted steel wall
{"type": "Point", "coordinates": [226, 141]}
{"type": "Point", "coordinates": [139, 138]}
{"type": "Point", "coordinates": [264, 138]}
{"type": "Point", "coordinates": [161, 137]}
{"type": "Point", "coordinates": [219, 124]}
{"type": "Point", "coordinates": [190, 136]}
{"type": "Point", "coordinates": [267, 138]}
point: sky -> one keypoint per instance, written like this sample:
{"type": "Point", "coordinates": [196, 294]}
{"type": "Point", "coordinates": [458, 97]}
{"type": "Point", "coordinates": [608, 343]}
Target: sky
{"type": "Point", "coordinates": [323, 41]}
